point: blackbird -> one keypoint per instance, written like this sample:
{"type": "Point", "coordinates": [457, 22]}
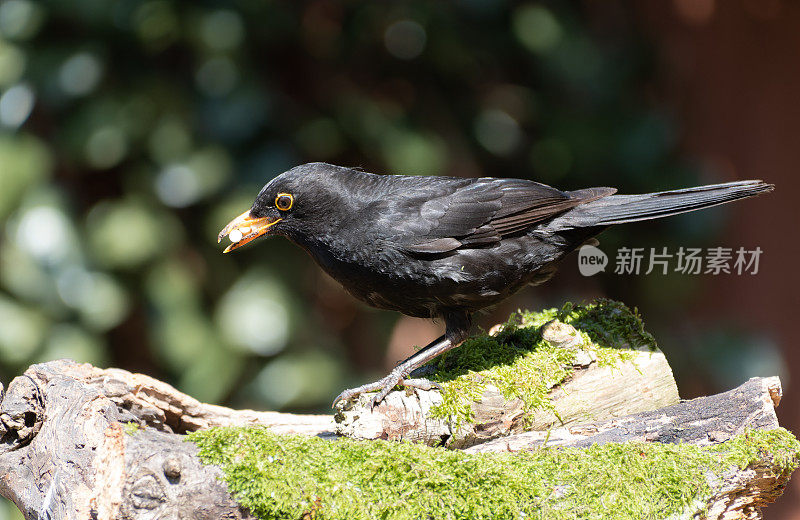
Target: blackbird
{"type": "Point", "coordinates": [444, 247]}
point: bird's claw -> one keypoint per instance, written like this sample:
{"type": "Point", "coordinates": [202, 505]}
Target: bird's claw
{"type": "Point", "coordinates": [421, 384]}
{"type": "Point", "coordinates": [381, 395]}
{"type": "Point", "coordinates": [349, 394]}
{"type": "Point", "coordinates": [383, 386]}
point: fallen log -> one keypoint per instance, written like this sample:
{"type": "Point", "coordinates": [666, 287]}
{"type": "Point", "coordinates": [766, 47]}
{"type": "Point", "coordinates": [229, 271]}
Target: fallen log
{"type": "Point", "coordinates": [81, 442]}
{"type": "Point", "coordinates": [538, 371]}
{"type": "Point", "coordinates": [77, 441]}
{"type": "Point", "coordinates": [639, 380]}
{"type": "Point", "coordinates": [702, 421]}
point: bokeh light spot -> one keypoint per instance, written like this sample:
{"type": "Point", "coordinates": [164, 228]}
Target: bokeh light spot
{"type": "Point", "coordinates": [182, 184]}
{"type": "Point", "coordinates": [24, 162]}
{"type": "Point", "coordinates": [12, 64]}
{"type": "Point", "coordinates": [16, 105]}
{"type": "Point", "coordinates": [536, 28]}
{"type": "Point", "coordinates": [210, 376]}
{"type": "Point", "coordinates": [253, 315]}
{"type": "Point", "coordinates": [299, 379]}
{"type": "Point", "coordinates": [72, 342]}
{"type": "Point", "coordinates": [497, 131]}
{"type": "Point", "coordinates": [412, 153]}
{"type": "Point", "coordinates": [22, 276]}
{"type": "Point", "coordinates": [106, 147]}
{"type": "Point", "coordinates": [170, 140]}
{"type": "Point", "coordinates": [157, 24]}
{"type": "Point", "coordinates": [184, 336]}
{"type": "Point", "coordinates": [125, 234]}
{"type": "Point", "coordinates": [222, 30]}
{"type": "Point", "coordinates": [101, 301]}
{"type": "Point", "coordinates": [177, 185]}
{"type": "Point", "coordinates": [20, 19]}
{"type": "Point", "coordinates": [22, 332]}
{"type": "Point", "coordinates": [80, 74]}
{"type": "Point", "coordinates": [44, 232]}
{"type": "Point", "coordinates": [172, 285]}
{"type": "Point", "coordinates": [405, 39]}
{"type": "Point", "coordinates": [217, 76]}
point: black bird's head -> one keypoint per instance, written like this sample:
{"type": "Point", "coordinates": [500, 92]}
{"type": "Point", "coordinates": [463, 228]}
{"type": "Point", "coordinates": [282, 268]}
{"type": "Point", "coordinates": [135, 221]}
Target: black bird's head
{"type": "Point", "coordinates": [299, 201]}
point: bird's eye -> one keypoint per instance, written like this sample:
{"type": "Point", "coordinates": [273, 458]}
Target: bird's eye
{"type": "Point", "coordinates": [284, 201]}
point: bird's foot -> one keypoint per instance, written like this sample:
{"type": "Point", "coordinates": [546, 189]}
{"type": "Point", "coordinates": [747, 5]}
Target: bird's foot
{"type": "Point", "coordinates": [421, 383]}
{"type": "Point", "coordinates": [384, 386]}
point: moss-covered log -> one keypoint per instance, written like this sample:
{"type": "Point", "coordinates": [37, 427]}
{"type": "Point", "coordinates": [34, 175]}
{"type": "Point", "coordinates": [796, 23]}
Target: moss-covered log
{"type": "Point", "coordinates": [538, 371]}
{"type": "Point", "coordinates": [703, 421]}
{"type": "Point", "coordinates": [81, 442]}
{"type": "Point", "coordinates": [301, 477]}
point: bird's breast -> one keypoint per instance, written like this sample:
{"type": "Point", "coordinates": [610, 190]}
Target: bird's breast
{"type": "Point", "coordinates": [384, 276]}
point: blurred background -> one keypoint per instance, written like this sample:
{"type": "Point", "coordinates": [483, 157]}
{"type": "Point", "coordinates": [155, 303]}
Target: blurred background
{"type": "Point", "coordinates": [132, 131]}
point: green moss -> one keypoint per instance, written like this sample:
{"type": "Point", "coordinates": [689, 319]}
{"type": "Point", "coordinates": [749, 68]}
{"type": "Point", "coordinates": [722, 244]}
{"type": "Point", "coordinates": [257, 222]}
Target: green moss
{"type": "Point", "coordinates": [131, 428]}
{"type": "Point", "coordinates": [522, 365]}
{"type": "Point", "coordinates": [279, 477]}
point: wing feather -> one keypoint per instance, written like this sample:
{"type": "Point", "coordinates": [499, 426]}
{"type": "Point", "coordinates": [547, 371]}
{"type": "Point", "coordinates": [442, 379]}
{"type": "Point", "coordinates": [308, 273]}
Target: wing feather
{"type": "Point", "coordinates": [484, 211]}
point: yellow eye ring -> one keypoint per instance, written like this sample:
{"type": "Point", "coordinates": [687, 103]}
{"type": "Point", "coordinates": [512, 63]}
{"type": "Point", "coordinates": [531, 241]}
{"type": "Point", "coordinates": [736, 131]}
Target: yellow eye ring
{"type": "Point", "coordinates": [284, 201]}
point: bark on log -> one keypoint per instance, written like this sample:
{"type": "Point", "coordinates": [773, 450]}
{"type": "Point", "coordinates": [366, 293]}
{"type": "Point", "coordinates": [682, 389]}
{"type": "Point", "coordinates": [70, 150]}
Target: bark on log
{"type": "Point", "coordinates": [594, 392]}
{"type": "Point", "coordinates": [64, 450]}
{"type": "Point", "coordinates": [702, 421]}
{"type": "Point", "coordinates": [80, 442]}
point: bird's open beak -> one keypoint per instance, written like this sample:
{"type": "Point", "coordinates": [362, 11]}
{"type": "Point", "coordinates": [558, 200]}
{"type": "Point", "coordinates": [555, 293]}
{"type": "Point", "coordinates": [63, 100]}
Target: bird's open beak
{"type": "Point", "coordinates": [246, 229]}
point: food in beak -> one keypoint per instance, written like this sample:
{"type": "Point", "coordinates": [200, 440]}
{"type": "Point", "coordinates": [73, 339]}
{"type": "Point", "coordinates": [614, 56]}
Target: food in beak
{"type": "Point", "coordinates": [236, 235]}
{"type": "Point", "coordinates": [244, 229]}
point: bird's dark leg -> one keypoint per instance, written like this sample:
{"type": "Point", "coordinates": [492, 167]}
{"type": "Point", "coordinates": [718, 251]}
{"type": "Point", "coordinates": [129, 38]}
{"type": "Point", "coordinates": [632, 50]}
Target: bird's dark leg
{"type": "Point", "coordinates": [457, 331]}
{"type": "Point", "coordinates": [424, 349]}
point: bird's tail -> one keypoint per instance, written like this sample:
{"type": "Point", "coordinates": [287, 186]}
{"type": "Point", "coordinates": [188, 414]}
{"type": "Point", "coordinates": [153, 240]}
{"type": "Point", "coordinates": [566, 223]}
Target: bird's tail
{"type": "Point", "coordinates": [619, 209]}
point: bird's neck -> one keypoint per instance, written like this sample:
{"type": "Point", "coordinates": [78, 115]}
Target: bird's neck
{"type": "Point", "coordinates": [341, 253]}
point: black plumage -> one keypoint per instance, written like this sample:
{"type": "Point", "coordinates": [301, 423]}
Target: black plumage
{"type": "Point", "coordinates": [445, 247]}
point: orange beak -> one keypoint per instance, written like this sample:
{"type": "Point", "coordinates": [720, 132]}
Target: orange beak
{"type": "Point", "coordinates": [248, 228]}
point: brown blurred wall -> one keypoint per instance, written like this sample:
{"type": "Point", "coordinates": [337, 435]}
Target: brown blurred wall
{"type": "Point", "coordinates": [731, 72]}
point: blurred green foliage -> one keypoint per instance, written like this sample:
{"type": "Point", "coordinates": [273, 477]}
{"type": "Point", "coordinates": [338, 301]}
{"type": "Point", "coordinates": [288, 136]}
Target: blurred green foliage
{"type": "Point", "coordinates": [133, 130]}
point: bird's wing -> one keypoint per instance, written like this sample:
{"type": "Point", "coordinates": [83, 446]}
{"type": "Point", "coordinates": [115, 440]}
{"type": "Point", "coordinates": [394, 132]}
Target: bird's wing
{"type": "Point", "coordinates": [482, 212]}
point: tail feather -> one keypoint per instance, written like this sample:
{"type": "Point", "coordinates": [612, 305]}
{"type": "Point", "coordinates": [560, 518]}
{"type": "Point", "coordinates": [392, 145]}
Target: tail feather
{"type": "Point", "coordinates": [620, 209]}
